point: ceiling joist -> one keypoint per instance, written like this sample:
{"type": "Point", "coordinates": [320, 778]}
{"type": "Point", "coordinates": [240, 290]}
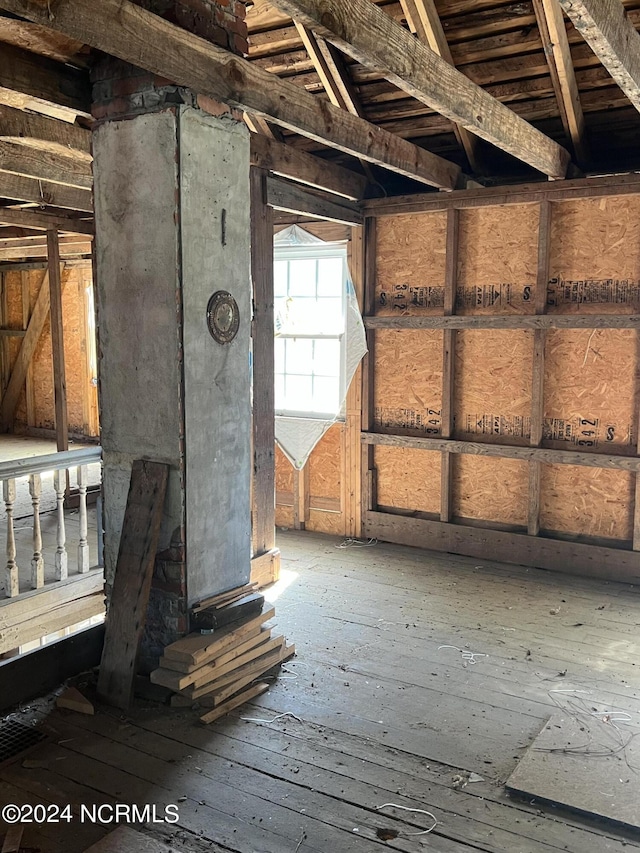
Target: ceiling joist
{"type": "Point", "coordinates": [289, 162]}
{"type": "Point", "coordinates": [36, 163]}
{"type": "Point", "coordinates": [606, 28]}
{"type": "Point", "coordinates": [373, 38]}
{"type": "Point", "coordinates": [43, 131]}
{"type": "Point", "coordinates": [423, 20]}
{"type": "Point", "coordinates": [135, 35]}
{"type": "Point", "coordinates": [289, 198]}
{"type": "Point", "coordinates": [563, 76]}
{"type": "Point", "coordinates": [36, 191]}
{"type": "Point", "coordinates": [44, 221]}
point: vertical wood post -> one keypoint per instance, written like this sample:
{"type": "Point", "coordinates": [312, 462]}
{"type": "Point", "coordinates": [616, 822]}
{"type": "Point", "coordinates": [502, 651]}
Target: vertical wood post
{"type": "Point", "coordinates": [60, 484]}
{"type": "Point", "coordinates": [263, 534]}
{"type": "Point", "coordinates": [368, 487]}
{"type": "Point", "coordinates": [539, 340]}
{"type": "Point", "coordinates": [12, 580]}
{"type": "Point", "coordinates": [448, 358]}
{"type": "Point", "coordinates": [300, 497]}
{"type": "Point", "coordinates": [37, 561]}
{"type": "Point", "coordinates": [351, 450]}
{"type": "Point", "coordinates": [57, 341]}
{"type": "Point", "coordinates": [83, 546]}
{"type": "Point", "coordinates": [26, 316]}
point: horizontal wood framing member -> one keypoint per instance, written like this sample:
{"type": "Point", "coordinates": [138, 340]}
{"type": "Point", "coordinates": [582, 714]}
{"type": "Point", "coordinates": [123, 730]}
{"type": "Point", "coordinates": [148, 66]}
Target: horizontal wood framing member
{"type": "Point", "coordinates": [617, 564]}
{"type": "Point", "coordinates": [292, 199]}
{"type": "Point", "coordinates": [508, 321]}
{"type": "Point", "coordinates": [45, 221]}
{"type": "Point", "coordinates": [21, 188]}
{"type": "Point", "coordinates": [527, 453]}
{"type": "Point", "coordinates": [531, 193]}
{"type": "Point", "coordinates": [135, 35]}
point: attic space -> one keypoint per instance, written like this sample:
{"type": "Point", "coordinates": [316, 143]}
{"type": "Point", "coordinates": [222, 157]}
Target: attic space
{"type": "Point", "coordinates": [319, 426]}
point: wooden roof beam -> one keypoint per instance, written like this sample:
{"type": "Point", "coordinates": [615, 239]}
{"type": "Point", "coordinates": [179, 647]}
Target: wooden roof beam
{"type": "Point", "coordinates": [46, 132]}
{"type": "Point", "coordinates": [612, 37]}
{"type": "Point", "coordinates": [20, 188]}
{"type": "Point", "coordinates": [330, 70]}
{"type": "Point", "coordinates": [133, 34]}
{"type": "Point", "coordinates": [289, 198]}
{"type": "Point", "coordinates": [423, 20]}
{"type": "Point", "coordinates": [35, 82]}
{"type": "Point", "coordinates": [289, 162]}
{"type": "Point", "coordinates": [44, 221]}
{"type": "Point", "coordinates": [365, 32]}
{"type": "Point", "coordinates": [563, 76]}
{"type": "Point", "coordinates": [31, 162]}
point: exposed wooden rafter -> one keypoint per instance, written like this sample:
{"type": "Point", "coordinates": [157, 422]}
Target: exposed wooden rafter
{"type": "Point", "coordinates": [45, 132]}
{"type": "Point", "coordinates": [35, 82]}
{"type": "Point", "coordinates": [289, 198]}
{"type": "Point", "coordinates": [563, 76]}
{"type": "Point", "coordinates": [135, 35]}
{"type": "Point", "coordinates": [374, 39]}
{"type": "Point", "coordinates": [313, 171]}
{"type": "Point", "coordinates": [43, 165]}
{"type": "Point", "coordinates": [423, 20]}
{"type": "Point", "coordinates": [612, 37]}
{"type": "Point", "coordinates": [41, 192]}
{"type": "Point", "coordinates": [44, 221]}
{"type": "Point", "coordinates": [331, 71]}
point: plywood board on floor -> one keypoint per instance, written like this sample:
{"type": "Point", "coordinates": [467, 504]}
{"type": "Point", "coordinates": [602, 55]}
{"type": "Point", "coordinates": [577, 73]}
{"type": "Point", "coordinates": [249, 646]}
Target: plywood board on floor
{"type": "Point", "coordinates": [587, 762]}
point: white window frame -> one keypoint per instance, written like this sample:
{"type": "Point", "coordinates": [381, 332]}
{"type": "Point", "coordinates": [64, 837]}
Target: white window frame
{"type": "Point", "coordinates": [318, 251]}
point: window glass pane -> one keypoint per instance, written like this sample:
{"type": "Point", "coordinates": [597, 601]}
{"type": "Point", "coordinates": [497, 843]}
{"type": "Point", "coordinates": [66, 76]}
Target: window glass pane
{"type": "Point", "coordinates": [299, 358]}
{"type": "Point", "coordinates": [280, 401]}
{"type": "Point", "coordinates": [328, 317]}
{"type": "Point", "coordinates": [299, 393]}
{"type": "Point", "coordinates": [326, 358]}
{"type": "Point", "coordinates": [330, 272]}
{"type": "Point", "coordinates": [326, 393]}
{"type": "Point", "coordinates": [279, 355]}
{"type": "Point", "coordinates": [302, 277]}
{"type": "Point", "coordinates": [280, 278]}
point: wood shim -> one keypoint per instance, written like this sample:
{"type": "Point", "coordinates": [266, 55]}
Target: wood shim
{"type": "Point", "coordinates": [408, 479]}
{"type": "Point", "coordinates": [410, 262]}
{"type": "Point", "coordinates": [132, 582]}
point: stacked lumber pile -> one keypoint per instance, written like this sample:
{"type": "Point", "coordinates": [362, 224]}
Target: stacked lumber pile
{"type": "Point", "coordinates": [220, 665]}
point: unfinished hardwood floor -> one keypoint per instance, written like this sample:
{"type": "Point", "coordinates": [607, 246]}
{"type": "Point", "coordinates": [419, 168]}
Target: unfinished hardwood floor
{"type": "Point", "coordinates": [382, 704]}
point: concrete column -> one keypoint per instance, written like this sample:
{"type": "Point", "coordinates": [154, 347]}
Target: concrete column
{"type": "Point", "coordinates": [172, 228]}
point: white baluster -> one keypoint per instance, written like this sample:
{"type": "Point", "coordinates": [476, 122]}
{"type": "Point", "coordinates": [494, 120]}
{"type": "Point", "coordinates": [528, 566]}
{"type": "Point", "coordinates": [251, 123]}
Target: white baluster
{"type": "Point", "coordinates": [83, 547]}
{"type": "Point", "coordinates": [12, 581]}
{"type": "Point", "coordinates": [37, 562]}
{"type": "Point", "coordinates": [60, 484]}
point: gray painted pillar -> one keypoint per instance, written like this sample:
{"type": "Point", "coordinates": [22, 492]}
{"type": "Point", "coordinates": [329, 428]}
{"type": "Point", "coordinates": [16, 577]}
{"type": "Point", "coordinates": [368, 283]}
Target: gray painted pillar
{"type": "Point", "coordinates": [172, 227]}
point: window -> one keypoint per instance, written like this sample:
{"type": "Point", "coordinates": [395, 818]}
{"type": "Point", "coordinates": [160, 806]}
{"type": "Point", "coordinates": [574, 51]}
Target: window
{"type": "Point", "coordinates": [310, 287]}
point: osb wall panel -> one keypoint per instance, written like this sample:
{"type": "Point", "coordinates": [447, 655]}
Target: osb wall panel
{"type": "Point", "coordinates": [591, 388]}
{"type": "Point", "coordinates": [490, 489]}
{"type": "Point", "coordinates": [593, 501]}
{"type": "Point", "coordinates": [595, 256]}
{"type": "Point", "coordinates": [408, 381]}
{"type": "Point", "coordinates": [324, 464]}
{"type": "Point", "coordinates": [492, 385]}
{"type": "Point", "coordinates": [284, 472]}
{"type": "Point", "coordinates": [284, 516]}
{"type": "Point", "coordinates": [77, 380]}
{"type": "Point", "coordinates": [410, 264]}
{"type": "Point", "coordinates": [497, 260]}
{"type": "Point", "coordinates": [325, 522]}
{"type": "Point", "coordinates": [408, 479]}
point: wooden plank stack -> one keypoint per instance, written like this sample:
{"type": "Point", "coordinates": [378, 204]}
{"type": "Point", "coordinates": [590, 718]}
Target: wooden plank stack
{"type": "Point", "coordinates": [221, 668]}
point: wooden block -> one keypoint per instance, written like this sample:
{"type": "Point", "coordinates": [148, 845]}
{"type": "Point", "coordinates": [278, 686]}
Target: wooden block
{"type": "Point", "coordinates": [201, 648]}
{"type": "Point", "coordinates": [178, 701]}
{"type": "Point", "coordinates": [265, 569]}
{"type": "Point", "coordinates": [12, 839]}
{"type": "Point", "coordinates": [223, 597]}
{"type": "Point", "coordinates": [250, 672]}
{"type": "Point", "coordinates": [240, 699]}
{"type": "Point", "coordinates": [190, 668]}
{"type": "Point", "coordinates": [212, 618]}
{"type": "Point", "coordinates": [73, 700]}
{"type": "Point", "coordinates": [132, 582]}
{"type": "Point", "coordinates": [178, 680]}
{"type": "Point", "coordinates": [229, 673]}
